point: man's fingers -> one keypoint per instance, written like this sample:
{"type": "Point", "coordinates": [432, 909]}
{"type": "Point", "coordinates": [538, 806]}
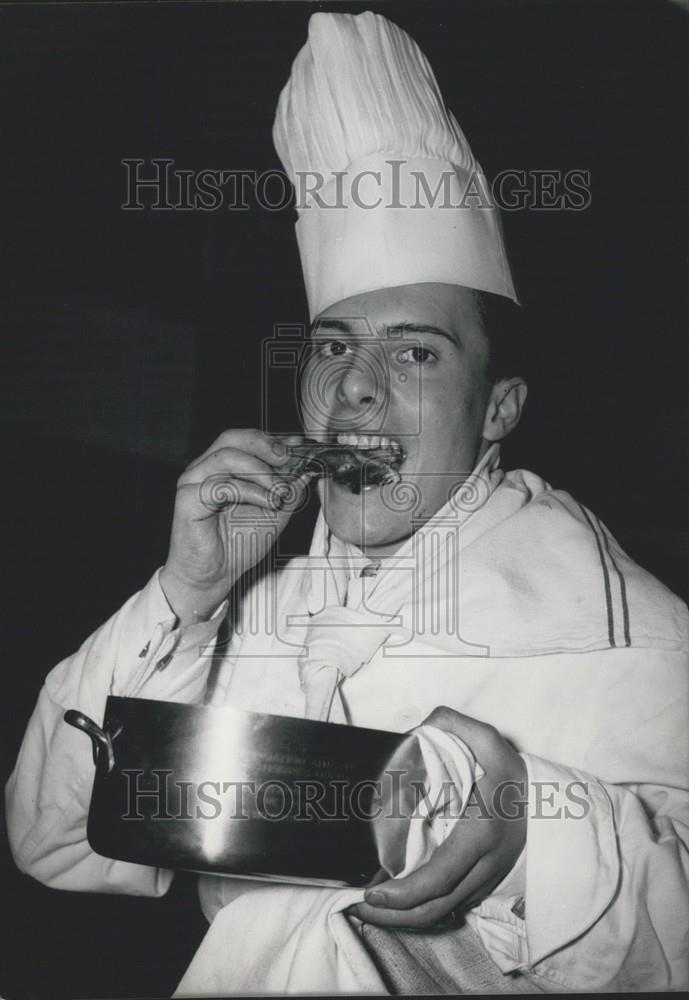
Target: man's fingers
{"type": "Point", "coordinates": [380, 876]}
{"type": "Point", "coordinates": [469, 897]}
{"type": "Point", "coordinates": [450, 862]}
{"type": "Point", "coordinates": [224, 493]}
{"type": "Point", "coordinates": [431, 911]}
{"type": "Point", "coordinates": [231, 462]}
{"type": "Point", "coordinates": [426, 915]}
{"type": "Point", "coordinates": [268, 447]}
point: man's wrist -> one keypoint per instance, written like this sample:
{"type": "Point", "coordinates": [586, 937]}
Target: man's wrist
{"type": "Point", "coordinates": [191, 603]}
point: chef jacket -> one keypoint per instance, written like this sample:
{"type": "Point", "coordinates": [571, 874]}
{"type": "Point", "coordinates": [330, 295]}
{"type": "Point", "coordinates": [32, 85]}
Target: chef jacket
{"type": "Point", "coordinates": [569, 649]}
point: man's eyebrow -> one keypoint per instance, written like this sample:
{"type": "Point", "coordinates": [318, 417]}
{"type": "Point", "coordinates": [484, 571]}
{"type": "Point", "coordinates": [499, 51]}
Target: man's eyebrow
{"type": "Point", "coordinates": [344, 326]}
{"type": "Point", "coordinates": [341, 325]}
{"type": "Point", "coordinates": [410, 327]}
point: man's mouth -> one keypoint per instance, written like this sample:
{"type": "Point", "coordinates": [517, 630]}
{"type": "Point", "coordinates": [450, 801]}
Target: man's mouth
{"type": "Point", "coordinates": [365, 441]}
{"type": "Point", "coordinates": [355, 461]}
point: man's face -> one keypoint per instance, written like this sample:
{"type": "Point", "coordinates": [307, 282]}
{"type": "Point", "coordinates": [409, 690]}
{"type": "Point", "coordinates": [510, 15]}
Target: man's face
{"type": "Point", "coordinates": [406, 364]}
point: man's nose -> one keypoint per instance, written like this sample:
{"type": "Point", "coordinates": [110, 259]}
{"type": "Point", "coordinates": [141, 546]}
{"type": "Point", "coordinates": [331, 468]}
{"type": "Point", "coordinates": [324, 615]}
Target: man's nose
{"type": "Point", "coordinates": [359, 385]}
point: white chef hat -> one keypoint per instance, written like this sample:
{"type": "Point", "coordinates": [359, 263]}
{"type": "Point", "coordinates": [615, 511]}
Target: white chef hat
{"type": "Point", "coordinates": [388, 191]}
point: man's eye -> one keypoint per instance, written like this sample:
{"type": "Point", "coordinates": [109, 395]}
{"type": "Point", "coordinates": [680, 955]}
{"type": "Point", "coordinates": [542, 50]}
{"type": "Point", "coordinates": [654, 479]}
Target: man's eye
{"type": "Point", "coordinates": [336, 347]}
{"type": "Point", "coordinates": [330, 348]}
{"type": "Point", "coordinates": [415, 355]}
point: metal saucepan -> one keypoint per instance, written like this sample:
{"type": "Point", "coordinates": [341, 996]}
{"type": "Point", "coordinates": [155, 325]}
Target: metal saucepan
{"type": "Point", "coordinates": [220, 790]}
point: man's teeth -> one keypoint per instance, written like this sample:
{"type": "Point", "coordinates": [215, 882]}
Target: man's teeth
{"type": "Point", "coordinates": [366, 440]}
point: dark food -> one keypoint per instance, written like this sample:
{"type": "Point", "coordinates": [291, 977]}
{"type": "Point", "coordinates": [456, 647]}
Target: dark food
{"type": "Point", "coordinates": [352, 467]}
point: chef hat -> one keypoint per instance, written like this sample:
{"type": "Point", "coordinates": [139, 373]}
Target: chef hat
{"type": "Point", "coordinates": [387, 189]}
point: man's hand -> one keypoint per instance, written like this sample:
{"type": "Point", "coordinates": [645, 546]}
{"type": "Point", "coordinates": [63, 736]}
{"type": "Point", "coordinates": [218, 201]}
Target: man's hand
{"type": "Point", "coordinates": [228, 513]}
{"type": "Point", "coordinates": [482, 848]}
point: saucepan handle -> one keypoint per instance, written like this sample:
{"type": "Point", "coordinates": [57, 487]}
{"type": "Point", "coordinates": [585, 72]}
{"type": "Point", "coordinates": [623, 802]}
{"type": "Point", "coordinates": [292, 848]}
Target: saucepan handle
{"type": "Point", "coordinates": [101, 740]}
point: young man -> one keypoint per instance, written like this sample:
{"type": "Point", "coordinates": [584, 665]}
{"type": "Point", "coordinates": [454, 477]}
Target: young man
{"type": "Point", "coordinates": [525, 630]}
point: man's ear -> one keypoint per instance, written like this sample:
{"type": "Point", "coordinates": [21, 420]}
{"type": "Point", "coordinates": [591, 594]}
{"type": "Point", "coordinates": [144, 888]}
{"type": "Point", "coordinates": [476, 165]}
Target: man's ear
{"type": "Point", "coordinates": [505, 404]}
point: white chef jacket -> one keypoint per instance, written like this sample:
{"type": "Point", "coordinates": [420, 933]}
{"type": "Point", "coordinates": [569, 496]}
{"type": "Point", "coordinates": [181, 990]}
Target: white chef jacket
{"type": "Point", "coordinates": [600, 897]}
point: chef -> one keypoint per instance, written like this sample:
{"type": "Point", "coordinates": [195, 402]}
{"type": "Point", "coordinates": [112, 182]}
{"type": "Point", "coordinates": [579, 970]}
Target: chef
{"type": "Point", "coordinates": [500, 610]}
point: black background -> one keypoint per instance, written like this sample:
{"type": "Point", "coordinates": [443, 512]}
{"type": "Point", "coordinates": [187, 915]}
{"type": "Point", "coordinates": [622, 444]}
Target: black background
{"type": "Point", "coordinates": [131, 339]}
